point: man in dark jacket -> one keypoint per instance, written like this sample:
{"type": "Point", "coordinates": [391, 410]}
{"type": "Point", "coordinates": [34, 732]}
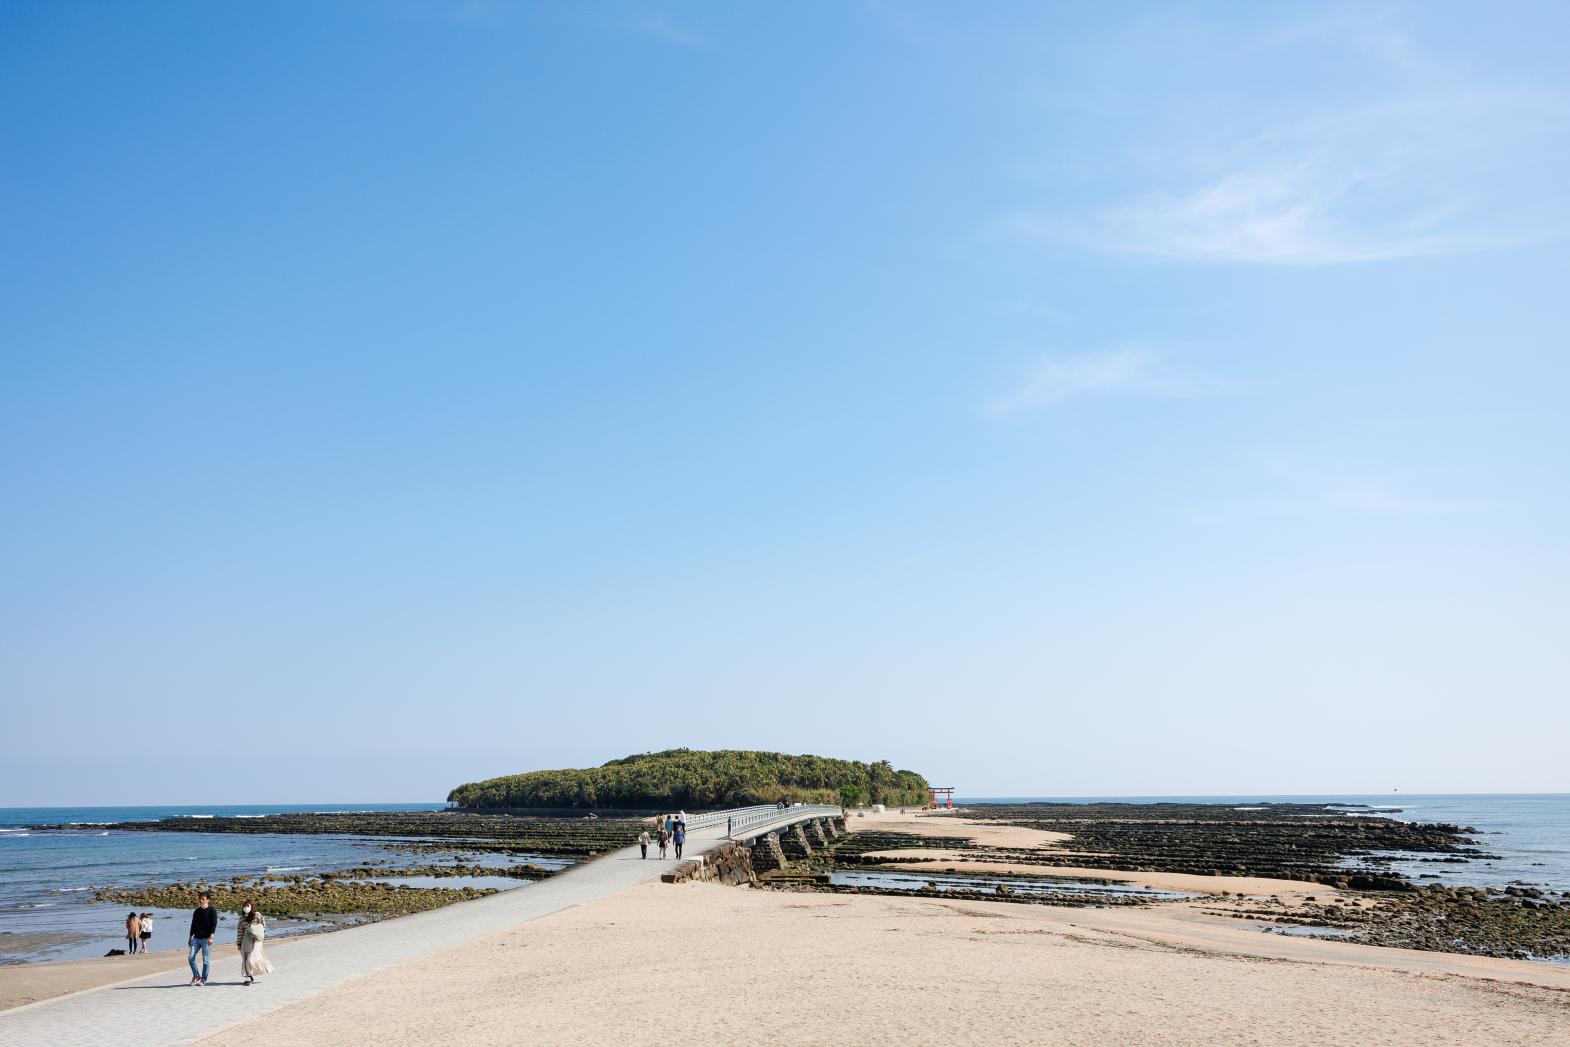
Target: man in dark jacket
{"type": "Point", "coordinates": [204, 924]}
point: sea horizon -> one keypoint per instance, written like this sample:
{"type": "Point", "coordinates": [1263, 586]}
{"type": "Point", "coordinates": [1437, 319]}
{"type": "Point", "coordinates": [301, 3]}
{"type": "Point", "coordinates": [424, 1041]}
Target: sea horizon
{"type": "Point", "coordinates": [349, 806]}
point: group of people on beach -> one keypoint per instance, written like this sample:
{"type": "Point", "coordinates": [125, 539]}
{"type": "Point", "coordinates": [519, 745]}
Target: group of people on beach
{"type": "Point", "coordinates": [668, 831]}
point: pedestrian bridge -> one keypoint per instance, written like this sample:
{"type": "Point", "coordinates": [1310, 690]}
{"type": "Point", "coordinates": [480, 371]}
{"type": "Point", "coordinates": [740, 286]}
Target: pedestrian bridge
{"type": "Point", "coordinates": [744, 841]}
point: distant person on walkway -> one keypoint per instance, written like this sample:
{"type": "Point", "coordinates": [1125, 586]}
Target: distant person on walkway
{"type": "Point", "coordinates": [204, 924]}
{"type": "Point", "coordinates": [665, 838]}
{"type": "Point", "coordinates": [680, 838]}
{"type": "Point", "coordinates": [248, 938]}
{"type": "Point", "coordinates": [643, 842]}
{"type": "Point", "coordinates": [147, 931]}
{"type": "Point", "coordinates": [133, 933]}
{"type": "Point", "coordinates": [670, 823]}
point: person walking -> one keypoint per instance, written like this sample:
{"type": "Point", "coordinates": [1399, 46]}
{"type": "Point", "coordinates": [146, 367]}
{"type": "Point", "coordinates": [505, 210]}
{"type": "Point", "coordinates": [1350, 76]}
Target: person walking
{"type": "Point", "coordinates": [248, 938]}
{"type": "Point", "coordinates": [204, 924]}
{"type": "Point", "coordinates": [664, 841]}
{"type": "Point", "coordinates": [670, 823]}
{"type": "Point", "coordinates": [133, 933]}
{"type": "Point", "coordinates": [680, 838]}
{"type": "Point", "coordinates": [147, 931]}
{"type": "Point", "coordinates": [643, 842]}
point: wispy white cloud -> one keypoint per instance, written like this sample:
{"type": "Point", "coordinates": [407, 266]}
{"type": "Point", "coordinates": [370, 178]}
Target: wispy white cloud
{"type": "Point", "coordinates": [660, 26]}
{"type": "Point", "coordinates": [1127, 370]}
{"type": "Point", "coordinates": [1280, 216]}
{"type": "Point", "coordinates": [1386, 152]}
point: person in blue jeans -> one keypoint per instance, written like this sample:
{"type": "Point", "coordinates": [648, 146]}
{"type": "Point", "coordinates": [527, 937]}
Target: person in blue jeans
{"type": "Point", "coordinates": [204, 924]}
{"type": "Point", "coordinates": [680, 838]}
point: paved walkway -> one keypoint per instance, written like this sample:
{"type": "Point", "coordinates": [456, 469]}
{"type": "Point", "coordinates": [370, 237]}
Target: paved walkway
{"type": "Point", "coordinates": [164, 1009]}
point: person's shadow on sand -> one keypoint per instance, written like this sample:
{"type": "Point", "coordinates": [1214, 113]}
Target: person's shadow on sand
{"type": "Point", "coordinates": [180, 985]}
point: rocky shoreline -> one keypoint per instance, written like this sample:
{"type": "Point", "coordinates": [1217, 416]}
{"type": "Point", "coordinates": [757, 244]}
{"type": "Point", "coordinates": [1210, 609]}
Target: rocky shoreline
{"type": "Point", "coordinates": [1315, 843]}
{"type": "Point", "coordinates": [582, 836]}
{"type": "Point", "coordinates": [356, 891]}
{"type": "Point", "coordinates": [1346, 849]}
{"type": "Point", "coordinates": [1520, 923]}
{"type": "Point", "coordinates": [309, 898]}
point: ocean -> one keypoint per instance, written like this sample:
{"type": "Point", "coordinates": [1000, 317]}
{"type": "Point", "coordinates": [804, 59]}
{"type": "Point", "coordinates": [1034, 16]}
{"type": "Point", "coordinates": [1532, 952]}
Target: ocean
{"type": "Point", "coordinates": [47, 877]}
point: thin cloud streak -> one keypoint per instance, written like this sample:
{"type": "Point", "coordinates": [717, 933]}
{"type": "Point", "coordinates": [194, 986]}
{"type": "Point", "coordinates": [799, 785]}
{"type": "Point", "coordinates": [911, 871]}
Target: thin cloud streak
{"type": "Point", "coordinates": [1129, 371]}
{"type": "Point", "coordinates": [1395, 176]}
{"type": "Point", "coordinates": [1275, 217]}
{"type": "Point", "coordinates": [663, 28]}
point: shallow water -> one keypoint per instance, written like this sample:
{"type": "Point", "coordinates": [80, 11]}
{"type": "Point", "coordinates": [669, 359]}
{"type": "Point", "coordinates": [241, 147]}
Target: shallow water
{"type": "Point", "coordinates": [909, 881]}
{"type": "Point", "coordinates": [47, 877]}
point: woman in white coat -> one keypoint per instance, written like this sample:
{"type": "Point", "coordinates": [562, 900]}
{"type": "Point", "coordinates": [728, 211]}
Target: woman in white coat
{"type": "Point", "coordinates": [248, 939]}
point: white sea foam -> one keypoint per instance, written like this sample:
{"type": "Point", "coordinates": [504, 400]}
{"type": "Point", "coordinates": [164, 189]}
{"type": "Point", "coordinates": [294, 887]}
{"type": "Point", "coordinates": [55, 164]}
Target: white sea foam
{"type": "Point", "coordinates": [1248, 808]}
{"type": "Point", "coordinates": [284, 868]}
{"type": "Point", "coordinates": [72, 890]}
{"type": "Point", "coordinates": [104, 833]}
{"type": "Point", "coordinates": [198, 816]}
{"type": "Point", "coordinates": [15, 835]}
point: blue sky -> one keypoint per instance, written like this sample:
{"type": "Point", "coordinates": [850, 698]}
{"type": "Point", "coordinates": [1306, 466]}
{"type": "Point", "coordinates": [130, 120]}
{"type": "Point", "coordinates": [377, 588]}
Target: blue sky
{"type": "Point", "coordinates": [1051, 399]}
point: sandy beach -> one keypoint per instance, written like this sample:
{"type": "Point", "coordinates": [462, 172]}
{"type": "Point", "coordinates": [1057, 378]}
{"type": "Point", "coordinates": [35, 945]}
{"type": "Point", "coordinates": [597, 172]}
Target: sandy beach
{"type": "Point", "coordinates": [668, 964]}
{"type": "Point", "coordinates": [663, 963]}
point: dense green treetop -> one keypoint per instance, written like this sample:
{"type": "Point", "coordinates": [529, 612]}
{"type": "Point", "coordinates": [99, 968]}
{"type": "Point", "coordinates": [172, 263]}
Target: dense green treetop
{"type": "Point", "coordinates": [696, 779]}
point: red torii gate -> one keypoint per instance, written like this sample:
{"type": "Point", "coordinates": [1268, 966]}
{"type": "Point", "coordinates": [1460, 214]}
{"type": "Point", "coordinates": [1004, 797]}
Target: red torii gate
{"type": "Point", "coordinates": [946, 791]}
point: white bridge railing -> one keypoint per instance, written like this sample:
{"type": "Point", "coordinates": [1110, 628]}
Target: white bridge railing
{"type": "Point", "coordinates": [739, 818]}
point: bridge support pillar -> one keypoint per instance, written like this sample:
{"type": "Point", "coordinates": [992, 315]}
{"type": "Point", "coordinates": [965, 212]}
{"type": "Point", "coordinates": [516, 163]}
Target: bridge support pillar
{"type": "Point", "coordinates": [766, 853]}
{"type": "Point", "coordinates": [794, 842]}
{"type": "Point", "coordinates": [816, 834]}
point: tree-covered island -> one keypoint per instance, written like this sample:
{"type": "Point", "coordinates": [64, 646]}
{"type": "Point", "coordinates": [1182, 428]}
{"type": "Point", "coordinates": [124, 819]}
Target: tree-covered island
{"type": "Point", "coordinates": [697, 779]}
